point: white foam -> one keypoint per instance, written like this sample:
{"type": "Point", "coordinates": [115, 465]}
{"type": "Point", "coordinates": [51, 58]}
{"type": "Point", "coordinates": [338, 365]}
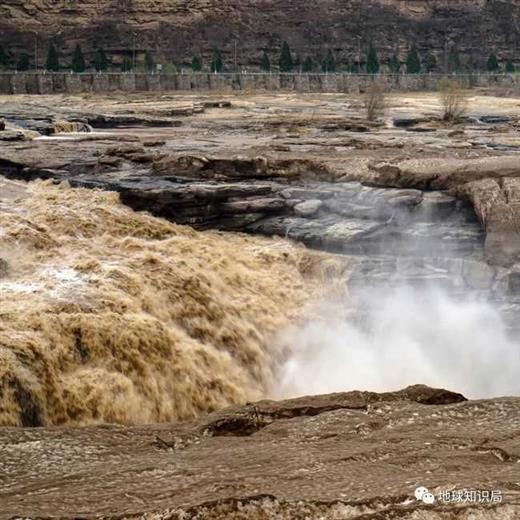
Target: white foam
{"type": "Point", "coordinates": [405, 337]}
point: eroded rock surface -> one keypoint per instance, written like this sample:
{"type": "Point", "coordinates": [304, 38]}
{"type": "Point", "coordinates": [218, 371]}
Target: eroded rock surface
{"type": "Point", "coordinates": [273, 166]}
{"type": "Point", "coordinates": [358, 455]}
{"type": "Point", "coordinates": [491, 184]}
{"type": "Point", "coordinates": [299, 168]}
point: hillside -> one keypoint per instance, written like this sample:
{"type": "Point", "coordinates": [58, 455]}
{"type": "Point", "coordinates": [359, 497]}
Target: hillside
{"type": "Point", "coordinates": [176, 30]}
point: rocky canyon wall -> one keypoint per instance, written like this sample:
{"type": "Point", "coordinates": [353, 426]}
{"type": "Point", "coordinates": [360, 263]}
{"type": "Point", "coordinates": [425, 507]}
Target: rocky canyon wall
{"type": "Point", "coordinates": [177, 30]}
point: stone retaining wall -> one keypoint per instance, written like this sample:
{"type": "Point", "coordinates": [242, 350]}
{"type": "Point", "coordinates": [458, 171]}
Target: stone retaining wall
{"type": "Point", "coordinates": [47, 83]}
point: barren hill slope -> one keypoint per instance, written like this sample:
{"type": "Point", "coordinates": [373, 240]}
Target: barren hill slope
{"type": "Point", "coordinates": [176, 30]}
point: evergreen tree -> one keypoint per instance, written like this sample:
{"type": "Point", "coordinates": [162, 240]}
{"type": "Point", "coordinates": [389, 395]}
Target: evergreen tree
{"type": "Point", "coordinates": [100, 60]}
{"type": "Point", "coordinates": [127, 64]}
{"type": "Point", "coordinates": [53, 63]}
{"type": "Point", "coordinates": [23, 63]}
{"type": "Point", "coordinates": [265, 64]}
{"type": "Point", "coordinates": [430, 63]}
{"type": "Point", "coordinates": [196, 64]}
{"type": "Point", "coordinates": [4, 59]}
{"type": "Point", "coordinates": [78, 62]}
{"type": "Point", "coordinates": [413, 62]}
{"type": "Point", "coordinates": [149, 62]}
{"type": "Point", "coordinates": [308, 64]}
{"type": "Point", "coordinates": [394, 64]}
{"type": "Point", "coordinates": [510, 67]}
{"type": "Point", "coordinates": [286, 62]}
{"type": "Point", "coordinates": [297, 63]}
{"type": "Point", "coordinates": [217, 65]}
{"type": "Point", "coordinates": [454, 64]}
{"type": "Point", "coordinates": [492, 63]}
{"type": "Point", "coordinates": [372, 60]}
{"type": "Point", "coordinates": [169, 68]}
{"type": "Point", "coordinates": [329, 63]}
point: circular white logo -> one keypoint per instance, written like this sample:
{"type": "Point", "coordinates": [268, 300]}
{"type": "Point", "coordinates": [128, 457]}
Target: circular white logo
{"type": "Point", "coordinates": [423, 495]}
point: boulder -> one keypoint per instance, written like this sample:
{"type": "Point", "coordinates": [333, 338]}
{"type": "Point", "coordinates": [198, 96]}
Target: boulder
{"type": "Point", "coordinates": [308, 208]}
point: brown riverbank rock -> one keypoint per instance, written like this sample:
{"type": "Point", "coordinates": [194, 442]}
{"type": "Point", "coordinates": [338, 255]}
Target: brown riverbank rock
{"type": "Point", "coordinates": [497, 205]}
{"type": "Point", "coordinates": [492, 184]}
{"type": "Point", "coordinates": [356, 455]}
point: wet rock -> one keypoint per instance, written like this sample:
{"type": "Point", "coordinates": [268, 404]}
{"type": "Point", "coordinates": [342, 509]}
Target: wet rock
{"type": "Point", "coordinates": [494, 120]}
{"type": "Point", "coordinates": [127, 121]}
{"type": "Point", "coordinates": [497, 205]}
{"type": "Point", "coordinates": [357, 209]}
{"type": "Point", "coordinates": [217, 104]}
{"type": "Point", "coordinates": [236, 221]}
{"type": "Point", "coordinates": [107, 160]}
{"type": "Point", "coordinates": [13, 135]}
{"type": "Point", "coordinates": [329, 232]}
{"type": "Point", "coordinates": [130, 152]}
{"type": "Point", "coordinates": [514, 282]}
{"type": "Point", "coordinates": [153, 142]}
{"type": "Point", "coordinates": [444, 174]}
{"type": "Point", "coordinates": [437, 205]}
{"type": "Point", "coordinates": [4, 268]}
{"type": "Point", "coordinates": [456, 133]}
{"type": "Point", "coordinates": [307, 193]}
{"type": "Point", "coordinates": [198, 204]}
{"type": "Point", "coordinates": [491, 184]}
{"type": "Point", "coordinates": [43, 126]}
{"type": "Point", "coordinates": [406, 122]}
{"type": "Point", "coordinates": [356, 442]}
{"type": "Point", "coordinates": [346, 126]}
{"type": "Point", "coordinates": [239, 167]}
{"type": "Point", "coordinates": [308, 208]}
{"type": "Point", "coordinates": [478, 275]}
{"type": "Point", "coordinates": [281, 148]}
{"type": "Point", "coordinates": [403, 198]}
{"type": "Point", "coordinates": [421, 129]}
{"type": "Point", "coordinates": [261, 205]}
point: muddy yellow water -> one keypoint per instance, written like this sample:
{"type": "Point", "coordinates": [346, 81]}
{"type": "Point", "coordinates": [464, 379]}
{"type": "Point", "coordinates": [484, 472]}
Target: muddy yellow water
{"type": "Point", "coordinates": [108, 315]}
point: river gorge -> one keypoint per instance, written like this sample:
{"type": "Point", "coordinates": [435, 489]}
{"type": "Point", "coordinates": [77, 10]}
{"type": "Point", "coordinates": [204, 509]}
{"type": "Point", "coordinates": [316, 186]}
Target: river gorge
{"type": "Point", "coordinates": [193, 275]}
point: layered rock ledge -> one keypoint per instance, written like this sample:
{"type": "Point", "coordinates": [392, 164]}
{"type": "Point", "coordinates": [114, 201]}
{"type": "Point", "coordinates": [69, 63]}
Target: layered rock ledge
{"type": "Point", "coordinates": [491, 184]}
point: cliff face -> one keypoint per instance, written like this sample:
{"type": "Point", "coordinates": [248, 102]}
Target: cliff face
{"type": "Point", "coordinates": [177, 30]}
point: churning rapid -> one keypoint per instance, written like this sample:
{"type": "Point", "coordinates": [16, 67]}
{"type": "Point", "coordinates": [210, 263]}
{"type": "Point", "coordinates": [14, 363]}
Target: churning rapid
{"type": "Point", "coordinates": [108, 315]}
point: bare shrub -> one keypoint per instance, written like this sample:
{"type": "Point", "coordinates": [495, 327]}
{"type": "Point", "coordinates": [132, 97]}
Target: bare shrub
{"type": "Point", "coordinates": [453, 99]}
{"type": "Point", "coordinates": [374, 101]}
